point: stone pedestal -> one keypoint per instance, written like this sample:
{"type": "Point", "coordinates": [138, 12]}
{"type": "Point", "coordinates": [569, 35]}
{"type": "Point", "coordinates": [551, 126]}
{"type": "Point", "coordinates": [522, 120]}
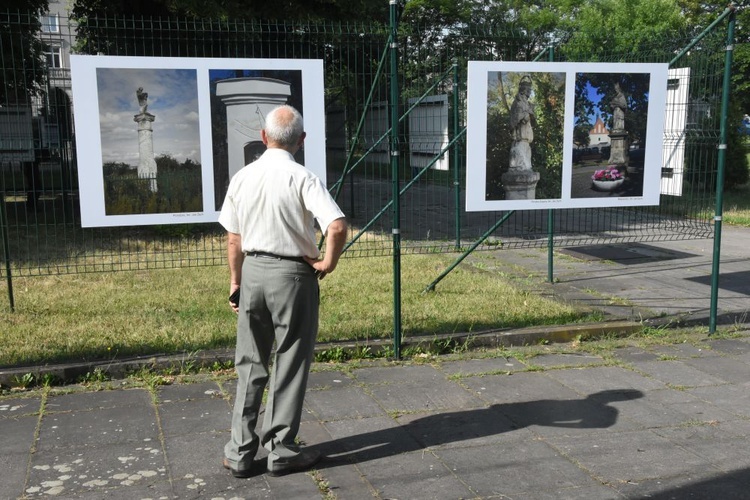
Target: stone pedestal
{"type": "Point", "coordinates": [248, 101]}
{"type": "Point", "coordinates": [146, 162]}
{"type": "Point", "coordinates": [519, 182]}
{"type": "Point", "coordinates": [619, 149]}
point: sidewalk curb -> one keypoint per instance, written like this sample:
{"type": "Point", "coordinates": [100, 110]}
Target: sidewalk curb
{"type": "Point", "coordinates": [66, 373]}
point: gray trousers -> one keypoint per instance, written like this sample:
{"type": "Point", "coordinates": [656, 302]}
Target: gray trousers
{"type": "Point", "coordinates": [279, 302]}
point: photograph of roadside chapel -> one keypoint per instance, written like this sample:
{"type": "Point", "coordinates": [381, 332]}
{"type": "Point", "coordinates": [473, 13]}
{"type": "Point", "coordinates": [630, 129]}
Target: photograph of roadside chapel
{"type": "Point", "coordinates": [609, 135]}
{"type": "Point", "coordinates": [240, 101]}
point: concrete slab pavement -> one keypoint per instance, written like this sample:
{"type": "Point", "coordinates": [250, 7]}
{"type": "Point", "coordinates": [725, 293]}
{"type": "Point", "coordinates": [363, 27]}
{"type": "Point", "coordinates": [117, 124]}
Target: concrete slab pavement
{"type": "Point", "coordinates": [661, 422]}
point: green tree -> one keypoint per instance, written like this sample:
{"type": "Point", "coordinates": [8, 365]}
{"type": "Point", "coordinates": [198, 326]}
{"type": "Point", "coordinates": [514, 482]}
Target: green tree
{"type": "Point", "coordinates": [23, 63]}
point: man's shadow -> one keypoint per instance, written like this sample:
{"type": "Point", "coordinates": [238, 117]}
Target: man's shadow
{"type": "Point", "coordinates": [592, 412]}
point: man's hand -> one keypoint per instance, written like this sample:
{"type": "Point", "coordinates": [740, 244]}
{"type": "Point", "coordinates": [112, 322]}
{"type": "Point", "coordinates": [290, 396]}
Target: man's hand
{"type": "Point", "coordinates": [335, 239]}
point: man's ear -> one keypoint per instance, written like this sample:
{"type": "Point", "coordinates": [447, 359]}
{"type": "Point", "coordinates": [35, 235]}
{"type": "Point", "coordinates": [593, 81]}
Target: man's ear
{"type": "Point", "coordinates": [263, 136]}
{"type": "Point", "coordinates": [301, 139]}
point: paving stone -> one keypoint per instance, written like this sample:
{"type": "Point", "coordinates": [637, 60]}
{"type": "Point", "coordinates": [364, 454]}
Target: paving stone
{"type": "Point", "coordinates": [225, 487]}
{"type": "Point", "coordinates": [413, 396]}
{"type": "Point", "coordinates": [327, 380]}
{"type": "Point", "coordinates": [470, 367]}
{"type": "Point", "coordinates": [677, 373]}
{"type": "Point", "coordinates": [518, 387]}
{"type": "Point", "coordinates": [17, 438]}
{"type": "Point", "coordinates": [731, 346]}
{"type": "Point", "coordinates": [630, 354]}
{"type": "Point", "coordinates": [552, 360]}
{"type": "Point", "coordinates": [361, 440]}
{"type": "Point", "coordinates": [629, 456]}
{"type": "Point", "coordinates": [684, 351]}
{"type": "Point", "coordinates": [461, 428]}
{"type": "Point", "coordinates": [17, 407]}
{"type": "Point", "coordinates": [342, 403]}
{"type": "Point", "coordinates": [67, 471]}
{"type": "Point", "coordinates": [97, 427]}
{"type": "Point", "coordinates": [414, 475]}
{"type": "Point", "coordinates": [732, 398]}
{"type": "Point", "coordinates": [417, 374]}
{"type": "Point", "coordinates": [189, 392]}
{"type": "Point", "coordinates": [605, 378]}
{"type": "Point", "coordinates": [116, 398]}
{"type": "Point", "coordinates": [717, 445]}
{"type": "Point", "coordinates": [700, 485]}
{"type": "Point", "coordinates": [728, 369]}
{"type": "Point", "coordinates": [196, 454]}
{"type": "Point", "coordinates": [187, 417]}
{"type": "Point", "coordinates": [525, 468]}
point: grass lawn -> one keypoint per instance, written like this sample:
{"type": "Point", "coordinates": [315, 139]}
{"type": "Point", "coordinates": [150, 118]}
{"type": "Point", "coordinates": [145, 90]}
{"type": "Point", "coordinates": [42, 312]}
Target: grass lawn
{"type": "Point", "coordinates": [117, 315]}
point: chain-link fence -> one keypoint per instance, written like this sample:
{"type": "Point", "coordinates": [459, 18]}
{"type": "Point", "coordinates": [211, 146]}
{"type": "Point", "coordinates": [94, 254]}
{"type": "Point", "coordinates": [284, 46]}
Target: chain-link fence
{"type": "Point", "coordinates": [41, 228]}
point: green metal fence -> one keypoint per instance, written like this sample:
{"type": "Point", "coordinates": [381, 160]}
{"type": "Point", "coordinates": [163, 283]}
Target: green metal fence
{"type": "Point", "coordinates": [41, 229]}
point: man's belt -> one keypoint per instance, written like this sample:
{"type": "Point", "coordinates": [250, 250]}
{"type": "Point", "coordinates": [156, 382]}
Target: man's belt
{"type": "Point", "coordinates": [275, 256]}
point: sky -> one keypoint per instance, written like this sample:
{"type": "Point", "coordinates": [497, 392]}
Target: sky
{"type": "Point", "coordinates": [172, 98]}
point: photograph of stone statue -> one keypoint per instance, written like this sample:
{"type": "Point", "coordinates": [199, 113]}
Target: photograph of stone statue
{"type": "Point", "coordinates": [550, 135]}
{"type": "Point", "coordinates": [240, 101]}
{"type": "Point", "coordinates": [150, 147]}
{"type": "Point", "coordinates": [609, 139]}
{"type": "Point", "coordinates": [525, 112]}
{"type": "Point", "coordinates": [158, 138]}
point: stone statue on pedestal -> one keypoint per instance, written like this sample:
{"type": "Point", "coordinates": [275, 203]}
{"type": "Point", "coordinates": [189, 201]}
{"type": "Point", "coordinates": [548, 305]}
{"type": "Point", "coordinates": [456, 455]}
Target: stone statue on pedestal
{"type": "Point", "coordinates": [519, 182]}
{"type": "Point", "coordinates": [142, 100]}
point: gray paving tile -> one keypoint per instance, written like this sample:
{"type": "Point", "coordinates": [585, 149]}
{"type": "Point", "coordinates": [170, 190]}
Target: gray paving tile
{"type": "Point", "coordinates": [68, 471]}
{"type": "Point", "coordinates": [526, 468]}
{"type": "Point", "coordinates": [414, 475]}
{"type": "Point", "coordinates": [97, 427]}
{"type": "Point", "coordinates": [16, 407]}
{"type": "Point", "coordinates": [677, 373]}
{"type": "Point", "coordinates": [17, 438]}
{"type": "Point", "coordinates": [327, 380]}
{"type": "Point", "coordinates": [361, 440]}
{"type": "Point", "coordinates": [397, 374]}
{"type": "Point", "coordinates": [700, 485]}
{"type": "Point", "coordinates": [732, 398]}
{"type": "Point", "coordinates": [477, 366]}
{"type": "Point", "coordinates": [518, 387]}
{"type": "Point", "coordinates": [342, 403]}
{"type": "Point", "coordinates": [685, 351]}
{"type": "Point", "coordinates": [728, 369]}
{"type": "Point", "coordinates": [461, 428]}
{"type": "Point", "coordinates": [411, 396]}
{"type": "Point", "coordinates": [605, 378]}
{"type": "Point", "coordinates": [552, 360]}
{"type": "Point", "coordinates": [634, 354]}
{"type": "Point", "coordinates": [731, 346]}
{"type": "Point", "coordinates": [629, 456]}
{"type": "Point", "coordinates": [189, 392]}
{"type": "Point", "coordinates": [187, 417]}
{"type": "Point", "coordinates": [117, 398]}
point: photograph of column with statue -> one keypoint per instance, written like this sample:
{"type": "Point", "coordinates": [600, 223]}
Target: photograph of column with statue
{"type": "Point", "coordinates": [525, 112]}
{"type": "Point", "coordinates": [609, 136]}
{"type": "Point", "coordinates": [240, 101]}
{"type": "Point", "coordinates": [148, 122]}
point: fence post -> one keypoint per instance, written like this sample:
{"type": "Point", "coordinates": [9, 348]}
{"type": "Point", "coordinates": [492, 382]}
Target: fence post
{"type": "Point", "coordinates": [720, 171]}
{"type": "Point", "coordinates": [6, 248]}
{"type": "Point", "coordinates": [394, 149]}
{"type": "Point", "coordinates": [551, 218]}
{"type": "Point", "coordinates": [456, 156]}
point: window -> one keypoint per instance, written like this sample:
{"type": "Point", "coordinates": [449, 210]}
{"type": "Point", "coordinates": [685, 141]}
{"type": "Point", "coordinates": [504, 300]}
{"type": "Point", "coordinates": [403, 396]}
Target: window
{"type": "Point", "coordinates": [50, 23]}
{"type": "Point", "coordinates": [53, 54]}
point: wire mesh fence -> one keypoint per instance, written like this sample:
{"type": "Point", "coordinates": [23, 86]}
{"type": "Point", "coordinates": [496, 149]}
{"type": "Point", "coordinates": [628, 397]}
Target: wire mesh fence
{"type": "Point", "coordinates": [41, 226]}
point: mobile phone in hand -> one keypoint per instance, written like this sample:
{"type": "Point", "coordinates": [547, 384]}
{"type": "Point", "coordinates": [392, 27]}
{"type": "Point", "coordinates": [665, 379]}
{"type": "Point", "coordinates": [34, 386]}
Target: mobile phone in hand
{"type": "Point", "coordinates": [235, 297]}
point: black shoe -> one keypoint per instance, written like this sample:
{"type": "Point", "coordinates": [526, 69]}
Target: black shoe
{"type": "Point", "coordinates": [303, 461]}
{"type": "Point", "coordinates": [244, 473]}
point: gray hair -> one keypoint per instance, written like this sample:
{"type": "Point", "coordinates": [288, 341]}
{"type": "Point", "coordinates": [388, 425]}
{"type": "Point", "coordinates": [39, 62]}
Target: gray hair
{"type": "Point", "coordinates": [284, 126]}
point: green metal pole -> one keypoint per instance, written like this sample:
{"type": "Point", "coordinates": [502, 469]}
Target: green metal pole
{"type": "Point", "coordinates": [6, 247]}
{"type": "Point", "coordinates": [456, 157]}
{"type": "Point", "coordinates": [431, 286]}
{"type": "Point", "coordinates": [395, 180]}
{"type": "Point", "coordinates": [720, 172]}
{"type": "Point", "coordinates": [551, 218]}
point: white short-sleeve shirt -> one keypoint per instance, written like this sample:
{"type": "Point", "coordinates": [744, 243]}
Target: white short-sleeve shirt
{"type": "Point", "coordinates": [273, 203]}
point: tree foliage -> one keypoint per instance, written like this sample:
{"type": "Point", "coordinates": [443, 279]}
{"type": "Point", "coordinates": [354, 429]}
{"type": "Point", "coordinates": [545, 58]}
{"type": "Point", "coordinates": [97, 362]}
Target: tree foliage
{"type": "Point", "coordinates": [23, 65]}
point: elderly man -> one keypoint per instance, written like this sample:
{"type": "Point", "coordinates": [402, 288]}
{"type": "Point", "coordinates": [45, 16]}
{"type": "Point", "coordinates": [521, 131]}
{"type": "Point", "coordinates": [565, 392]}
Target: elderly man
{"type": "Point", "coordinates": [269, 214]}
